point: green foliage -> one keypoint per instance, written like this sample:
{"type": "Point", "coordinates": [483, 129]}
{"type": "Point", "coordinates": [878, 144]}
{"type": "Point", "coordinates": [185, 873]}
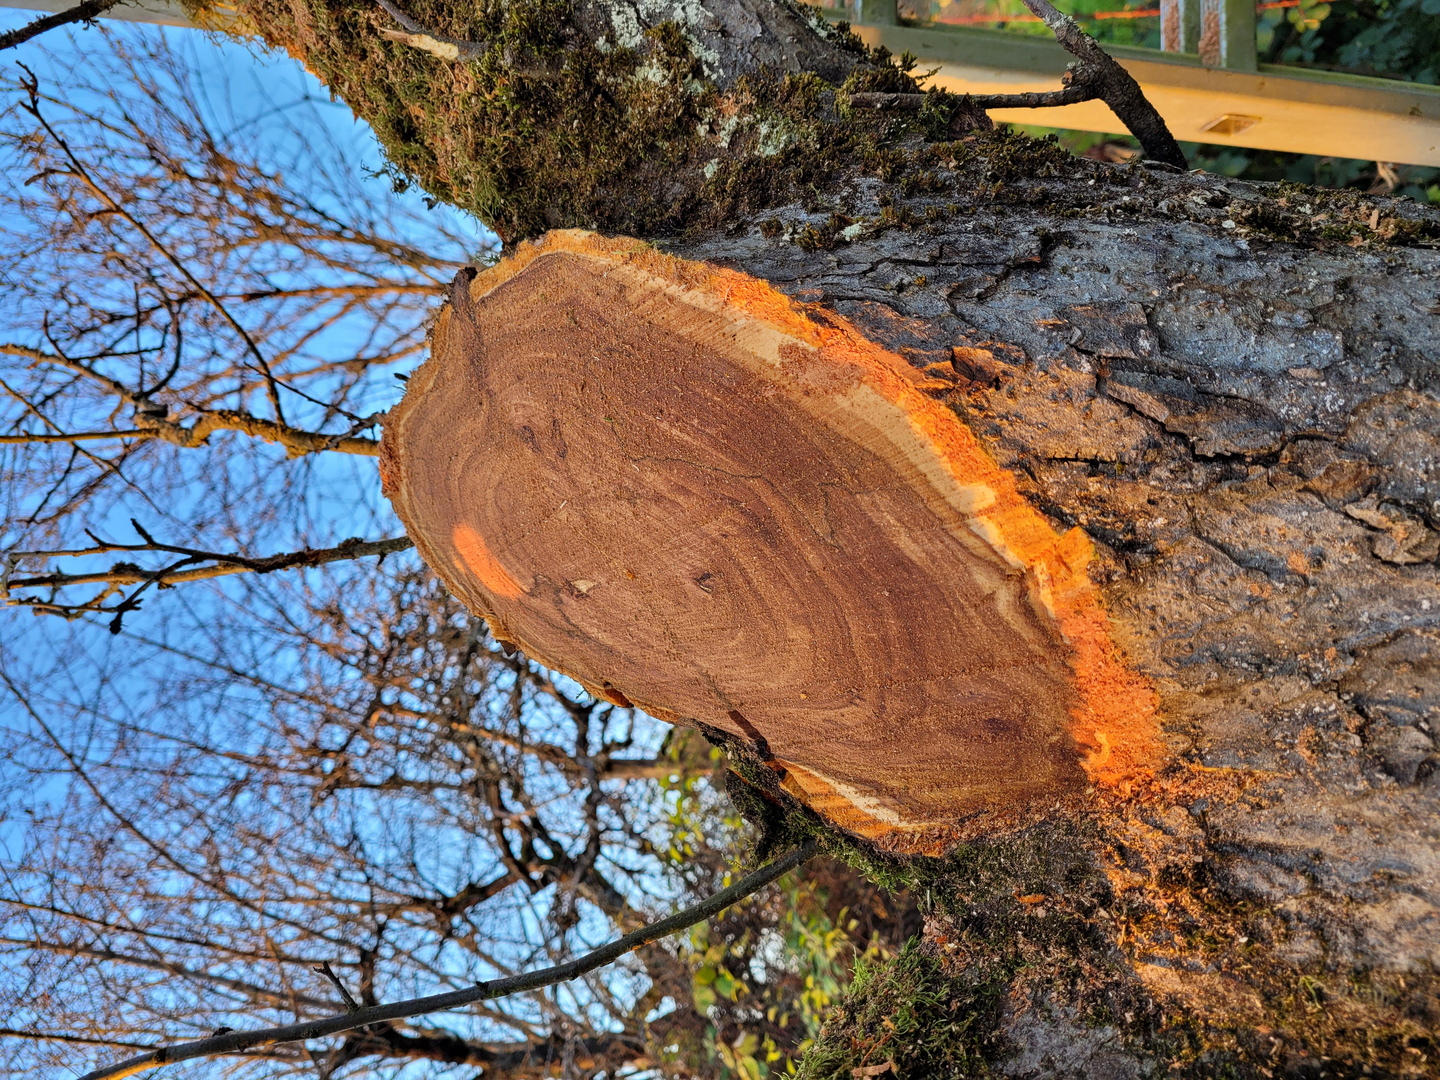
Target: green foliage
{"type": "Point", "coordinates": [762, 977]}
{"type": "Point", "coordinates": [1393, 38]}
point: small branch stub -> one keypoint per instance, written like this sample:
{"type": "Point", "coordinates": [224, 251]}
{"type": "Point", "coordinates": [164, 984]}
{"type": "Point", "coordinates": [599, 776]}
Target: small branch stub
{"type": "Point", "coordinates": [1094, 75]}
{"type": "Point", "coordinates": [417, 36]}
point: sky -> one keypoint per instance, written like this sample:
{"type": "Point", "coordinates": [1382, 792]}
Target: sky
{"type": "Point", "coordinates": [81, 677]}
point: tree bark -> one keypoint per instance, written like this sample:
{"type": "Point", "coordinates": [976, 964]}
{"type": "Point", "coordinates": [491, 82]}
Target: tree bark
{"type": "Point", "coordinates": [1249, 432]}
{"type": "Point", "coordinates": [1230, 388]}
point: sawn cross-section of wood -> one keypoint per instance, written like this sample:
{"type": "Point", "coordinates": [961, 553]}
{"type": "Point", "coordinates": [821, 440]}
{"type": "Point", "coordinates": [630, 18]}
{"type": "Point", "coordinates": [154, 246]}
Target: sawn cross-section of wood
{"type": "Point", "coordinates": [672, 483]}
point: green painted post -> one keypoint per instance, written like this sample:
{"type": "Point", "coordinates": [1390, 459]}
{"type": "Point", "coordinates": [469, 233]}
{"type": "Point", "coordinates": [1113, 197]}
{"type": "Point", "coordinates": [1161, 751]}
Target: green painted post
{"type": "Point", "coordinates": [875, 12]}
{"type": "Point", "coordinates": [1227, 34]}
{"type": "Point", "coordinates": [1180, 26]}
{"type": "Point", "coordinates": [1237, 35]}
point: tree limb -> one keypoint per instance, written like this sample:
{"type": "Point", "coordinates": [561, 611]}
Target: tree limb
{"type": "Point", "coordinates": [79, 436]}
{"type": "Point", "coordinates": [1094, 75]}
{"type": "Point", "coordinates": [898, 102]}
{"type": "Point", "coordinates": [236, 1041]}
{"type": "Point", "coordinates": [296, 441]}
{"type": "Point", "coordinates": [1098, 71]}
{"type": "Point", "coordinates": [272, 387]}
{"type": "Point", "coordinates": [224, 565]}
{"type": "Point", "coordinates": [82, 13]}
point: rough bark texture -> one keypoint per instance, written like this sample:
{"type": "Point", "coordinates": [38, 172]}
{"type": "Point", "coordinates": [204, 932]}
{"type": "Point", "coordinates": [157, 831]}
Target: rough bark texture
{"type": "Point", "coordinates": [1249, 431]}
{"type": "Point", "coordinates": [1231, 389]}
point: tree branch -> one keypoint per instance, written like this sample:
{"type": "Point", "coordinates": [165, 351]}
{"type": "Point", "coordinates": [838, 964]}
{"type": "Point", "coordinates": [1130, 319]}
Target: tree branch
{"type": "Point", "coordinates": [897, 102]}
{"type": "Point", "coordinates": [31, 85]}
{"type": "Point", "coordinates": [1098, 71]}
{"type": "Point", "coordinates": [79, 436]}
{"type": "Point", "coordinates": [129, 574]}
{"type": "Point", "coordinates": [1066, 95]}
{"type": "Point", "coordinates": [1094, 75]}
{"type": "Point", "coordinates": [296, 441]}
{"type": "Point", "coordinates": [81, 13]}
{"type": "Point", "coordinates": [236, 1041]}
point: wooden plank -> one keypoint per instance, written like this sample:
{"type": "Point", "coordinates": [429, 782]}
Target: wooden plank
{"type": "Point", "coordinates": [154, 12]}
{"type": "Point", "coordinates": [1280, 108]}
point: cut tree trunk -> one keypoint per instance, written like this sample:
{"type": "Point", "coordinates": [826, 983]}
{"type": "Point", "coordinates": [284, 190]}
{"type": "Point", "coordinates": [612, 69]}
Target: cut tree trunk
{"type": "Point", "coordinates": [1230, 390]}
{"type": "Point", "coordinates": [853, 530]}
{"type": "Point", "coordinates": [690, 494]}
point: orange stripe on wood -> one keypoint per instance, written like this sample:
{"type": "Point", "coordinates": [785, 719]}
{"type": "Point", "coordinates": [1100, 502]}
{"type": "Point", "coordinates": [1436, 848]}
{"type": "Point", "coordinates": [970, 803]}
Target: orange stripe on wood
{"type": "Point", "coordinates": [483, 563]}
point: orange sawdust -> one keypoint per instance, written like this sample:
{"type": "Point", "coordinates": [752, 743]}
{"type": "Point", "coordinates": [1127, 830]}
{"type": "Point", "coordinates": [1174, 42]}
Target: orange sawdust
{"type": "Point", "coordinates": [1114, 719]}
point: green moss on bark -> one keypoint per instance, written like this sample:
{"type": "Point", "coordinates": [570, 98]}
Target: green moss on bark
{"type": "Point", "coordinates": [548, 128]}
{"type": "Point", "coordinates": [1027, 941]}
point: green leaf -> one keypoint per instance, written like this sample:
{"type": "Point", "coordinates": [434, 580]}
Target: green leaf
{"type": "Point", "coordinates": [704, 998]}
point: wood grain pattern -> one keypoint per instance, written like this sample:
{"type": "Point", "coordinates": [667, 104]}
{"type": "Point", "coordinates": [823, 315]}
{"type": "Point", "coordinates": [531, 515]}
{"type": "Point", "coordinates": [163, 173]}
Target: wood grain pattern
{"type": "Point", "coordinates": [672, 484]}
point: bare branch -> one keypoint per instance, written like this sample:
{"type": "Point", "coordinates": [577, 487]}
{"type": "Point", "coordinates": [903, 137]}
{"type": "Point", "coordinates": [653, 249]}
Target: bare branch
{"type": "Point", "coordinates": [223, 565]}
{"type": "Point", "coordinates": [324, 968]}
{"type": "Point", "coordinates": [1068, 95]}
{"type": "Point", "coordinates": [32, 87]}
{"type": "Point", "coordinates": [1098, 71]}
{"type": "Point", "coordinates": [79, 436]}
{"type": "Point", "coordinates": [1095, 75]}
{"type": "Point", "coordinates": [82, 13]}
{"type": "Point", "coordinates": [236, 1041]}
{"type": "Point", "coordinates": [297, 442]}
{"type": "Point", "coordinates": [897, 102]}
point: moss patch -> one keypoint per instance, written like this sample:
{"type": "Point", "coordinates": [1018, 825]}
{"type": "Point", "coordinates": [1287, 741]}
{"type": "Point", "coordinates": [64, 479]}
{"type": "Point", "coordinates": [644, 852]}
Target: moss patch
{"type": "Point", "coordinates": [548, 128]}
{"type": "Point", "coordinates": [907, 1014]}
{"type": "Point", "coordinates": [1031, 923]}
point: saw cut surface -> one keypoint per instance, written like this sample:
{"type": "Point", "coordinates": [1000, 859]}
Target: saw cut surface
{"type": "Point", "coordinates": [672, 484]}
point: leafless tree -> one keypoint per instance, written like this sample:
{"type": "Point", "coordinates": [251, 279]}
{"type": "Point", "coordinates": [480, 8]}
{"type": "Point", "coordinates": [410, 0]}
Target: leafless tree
{"type": "Point", "coordinates": [167, 292]}
{"type": "Point", "coordinates": [296, 781]}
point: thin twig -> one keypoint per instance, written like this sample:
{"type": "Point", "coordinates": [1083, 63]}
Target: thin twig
{"type": "Point", "coordinates": [32, 88]}
{"type": "Point", "coordinates": [81, 13]}
{"type": "Point", "coordinates": [324, 968]}
{"type": "Point", "coordinates": [79, 436]}
{"type": "Point", "coordinates": [1098, 70]}
{"type": "Point", "coordinates": [236, 1041]}
{"type": "Point", "coordinates": [898, 102]}
{"type": "Point", "coordinates": [1066, 95]}
{"type": "Point", "coordinates": [297, 442]}
{"type": "Point", "coordinates": [1095, 74]}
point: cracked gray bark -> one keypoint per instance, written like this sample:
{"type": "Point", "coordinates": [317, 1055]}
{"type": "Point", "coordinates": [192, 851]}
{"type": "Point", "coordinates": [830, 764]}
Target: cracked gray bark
{"type": "Point", "coordinates": [1250, 432]}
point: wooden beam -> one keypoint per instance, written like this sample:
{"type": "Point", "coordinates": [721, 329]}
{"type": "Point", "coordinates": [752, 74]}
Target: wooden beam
{"type": "Point", "coordinates": [154, 12]}
{"type": "Point", "coordinates": [1272, 107]}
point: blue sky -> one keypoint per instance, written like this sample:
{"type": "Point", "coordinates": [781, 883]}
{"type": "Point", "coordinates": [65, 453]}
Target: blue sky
{"type": "Point", "coordinates": [95, 690]}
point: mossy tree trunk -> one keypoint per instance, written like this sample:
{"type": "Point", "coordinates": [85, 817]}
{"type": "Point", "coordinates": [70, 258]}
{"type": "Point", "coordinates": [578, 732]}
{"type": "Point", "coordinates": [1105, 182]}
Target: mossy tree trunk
{"type": "Point", "coordinates": [1231, 389]}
